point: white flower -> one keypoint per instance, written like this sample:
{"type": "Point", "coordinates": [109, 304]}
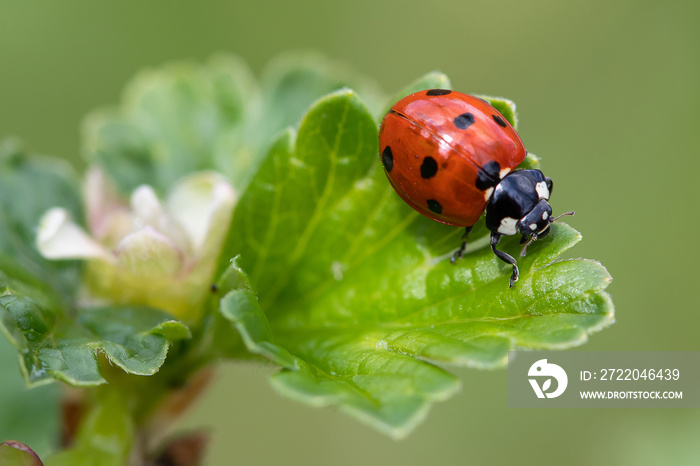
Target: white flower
{"type": "Point", "coordinates": [146, 252]}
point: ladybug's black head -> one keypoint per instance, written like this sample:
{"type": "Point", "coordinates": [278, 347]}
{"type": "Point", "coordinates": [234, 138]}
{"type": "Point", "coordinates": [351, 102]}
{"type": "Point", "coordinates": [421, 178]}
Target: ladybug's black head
{"type": "Point", "coordinates": [536, 222]}
{"type": "Point", "coordinates": [541, 228]}
{"type": "Point", "coordinates": [520, 204]}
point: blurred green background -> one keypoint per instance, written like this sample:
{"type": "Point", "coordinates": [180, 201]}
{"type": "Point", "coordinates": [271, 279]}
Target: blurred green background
{"type": "Point", "coordinates": [608, 94]}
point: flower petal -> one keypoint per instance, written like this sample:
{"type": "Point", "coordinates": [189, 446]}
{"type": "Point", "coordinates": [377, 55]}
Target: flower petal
{"type": "Point", "coordinates": [60, 238]}
{"type": "Point", "coordinates": [147, 210]}
{"type": "Point", "coordinates": [201, 203]}
{"type": "Point", "coordinates": [105, 208]}
{"type": "Point", "coordinates": [147, 253]}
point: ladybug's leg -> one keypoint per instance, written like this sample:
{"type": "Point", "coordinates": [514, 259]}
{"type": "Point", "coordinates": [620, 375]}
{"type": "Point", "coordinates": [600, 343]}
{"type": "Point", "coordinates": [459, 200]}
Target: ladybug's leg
{"type": "Point", "coordinates": [460, 252]}
{"type": "Point", "coordinates": [495, 238]}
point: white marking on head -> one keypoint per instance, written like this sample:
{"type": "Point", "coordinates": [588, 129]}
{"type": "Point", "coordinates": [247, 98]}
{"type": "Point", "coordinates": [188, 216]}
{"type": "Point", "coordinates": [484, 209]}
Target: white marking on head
{"type": "Point", "coordinates": [542, 190]}
{"type": "Point", "coordinates": [507, 226]}
{"type": "Point", "coordinates": [487, 194]}
{"type": "Point", "coordinates": [503, 172]}
{"type": "Point", "coordinates": [545, 215]}
{"type": "Point", "coordinates": [533, 226]}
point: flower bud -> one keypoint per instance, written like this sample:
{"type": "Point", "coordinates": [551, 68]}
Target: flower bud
{"type": "Point", "coordinates": [144, 251]}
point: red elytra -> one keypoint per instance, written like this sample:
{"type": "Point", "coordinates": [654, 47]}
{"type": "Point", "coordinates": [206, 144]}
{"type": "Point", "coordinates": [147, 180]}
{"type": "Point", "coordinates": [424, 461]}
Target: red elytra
{"type": "Point", "coordinates": [433, 145]}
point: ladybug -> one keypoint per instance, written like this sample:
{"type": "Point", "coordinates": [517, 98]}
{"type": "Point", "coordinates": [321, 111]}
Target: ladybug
{"type": "Point", "coordinates": [450, 156]}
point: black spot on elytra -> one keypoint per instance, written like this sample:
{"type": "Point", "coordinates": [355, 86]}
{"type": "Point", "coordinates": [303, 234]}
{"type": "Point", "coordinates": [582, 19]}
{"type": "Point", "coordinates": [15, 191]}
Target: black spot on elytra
{"type": "Point", "coordinates": [488, 176]}
{"type": "Point", "coordinates": [464, 121]}
{"type": "Point", "coordinates": [499, 120]}
{"type": "Point", "coordinates": [387, 159]}
{"type": "Point", "coordinates": [435, 206]}
{"type": "Point", "coordinates": [428, 168]}
{"type": "Point", "coordinates": [438, 92]}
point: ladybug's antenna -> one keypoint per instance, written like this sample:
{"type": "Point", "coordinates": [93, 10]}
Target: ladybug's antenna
{"type": "Point", "coordinates": [534, 237]}
{"type": "Point", "coordinates": [571, 212]}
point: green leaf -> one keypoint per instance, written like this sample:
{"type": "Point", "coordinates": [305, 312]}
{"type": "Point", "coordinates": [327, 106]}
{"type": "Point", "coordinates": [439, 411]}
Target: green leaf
{"type": "Point", "coordinates": [362, 393]}
{"type": "Point", "coordinates": [357, 298]}
{"type": "Point", "coordinates": [292, 82]}
{"type": "Point", "coordinates": [342, 130]}
{"type": "Point", "coordinates": [105, 437]}
{"type": "Point", "coordinates": [505, 106]}
{"type": "Point", "coordinates": [29, 186]}
{"type": "Point", "coordinates": [53, 345]}
{"type": "Point", "coordinates": [531, 161]}
{"type": "Point", "coordinates": [174, 120]}
{"type": "Point", "coordinates": [133, 338]}
{"type": "Point", "coordinates": [185, 117]}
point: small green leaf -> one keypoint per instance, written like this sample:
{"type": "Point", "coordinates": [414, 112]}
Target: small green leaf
{"type": "Point", "coordinates": [357, 297]}
{"type": "Point", "coordinates": [505, 106]}
{"type": "Point", "coordinates": [55, 346]}
{"type": "Point", "coordinates": [134, 338]}
{"type": "Point", "coordinates": [29, 186]}
{"type": "Point", "coordinates": [175, 120]}
{"type": "Point", "coordinates": [531, 161]}
{"type": "Point", "coordinates": [71, 360]}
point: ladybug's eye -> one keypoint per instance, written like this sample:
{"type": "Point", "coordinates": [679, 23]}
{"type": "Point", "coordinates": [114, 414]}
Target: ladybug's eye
{"type": "Point", "coordinates": [550, 185]}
